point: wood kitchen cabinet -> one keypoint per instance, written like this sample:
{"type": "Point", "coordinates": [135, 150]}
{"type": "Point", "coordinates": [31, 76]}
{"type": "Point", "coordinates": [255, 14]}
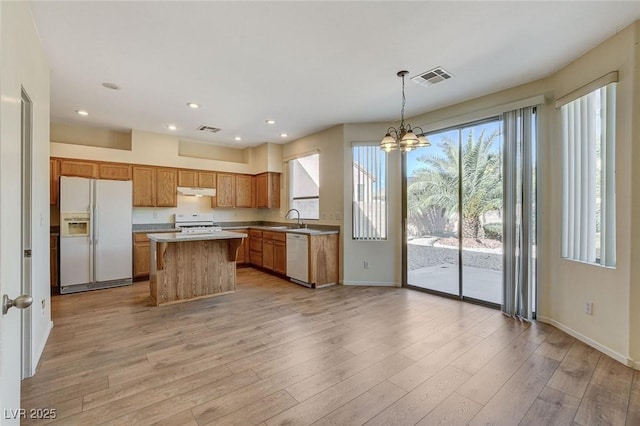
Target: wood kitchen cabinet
{"type": "Point", "coordinates": [280, 257]}
{"type": "Point", "coordinates": [188, 178]}
{"type": "Point", "coordinates": [323, 259]}
{"type": "Point", "coordinates": [141, 256]}
{"type": "Point", "coordinates": [54, 180]}
{"type": "Point", "coordinates": [166, 187]}
{"type": "Point", "coordinates": [255, 247]}
{"type": "Point", "coordinates": [267, 190]}
{"type": "Point", "coordinates": [53, 260]}
{"type": "Point", "coordinates": [274, 251]}
{"type": "Point", "coordinates": [78, 168]}
{"type": "Point", "coordinates": [244, 192]}
{"type": "Point", "coordinates": [225, 190]}
{"type": "Point", "coordinates": [144, 186]}
{"type": "Point", "coordinates": [206, 179]}
{"type": "Point", "coordinates": [155, 186]}
{"type": "Point", "coordinates": [114, 171]}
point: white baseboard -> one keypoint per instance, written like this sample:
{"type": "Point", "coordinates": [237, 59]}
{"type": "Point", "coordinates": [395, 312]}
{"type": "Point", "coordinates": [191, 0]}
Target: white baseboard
{"type": "Point", "coordinates": [587, 340]}
{"type": "Point", "coordinates": [371, 283]}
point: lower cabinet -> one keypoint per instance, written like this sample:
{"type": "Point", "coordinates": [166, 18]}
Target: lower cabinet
{"type": "Point", "coordinates": [243, 250]}
{"type": "Point", "coordinates": [141, 256]}
{"type": "Point", "coordinates": [274, 251]}
{"type": "Point", "coordinates": [280, 257]}
{"type": "Point", "coordinates": [255, 247]}
{"type": "Point", "coordinates": [53, 259]}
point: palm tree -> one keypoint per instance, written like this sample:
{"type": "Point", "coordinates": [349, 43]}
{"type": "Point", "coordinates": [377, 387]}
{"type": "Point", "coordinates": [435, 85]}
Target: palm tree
{"type": "Point", "coordinates": [436, 185]}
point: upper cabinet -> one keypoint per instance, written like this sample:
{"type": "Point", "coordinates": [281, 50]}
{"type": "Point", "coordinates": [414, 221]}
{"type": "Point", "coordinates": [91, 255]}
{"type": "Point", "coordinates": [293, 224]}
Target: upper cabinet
{"type": "Point", "coordinates": [78, 168]}
{"type": "Point", "coordinates": [188, 178]}
{"type": "Point", "coordinates": [267, 190]}
{"type": "Point", "coordinates": [225, 190]}
{"type": "Point", "coordinates": [154, 186]}
{"type": "Point", "coordinates": [206, 179]}
{"type": "Point", "coordinates": [166, 187]}
{"type": "Point", "coordinates": [114, 171]}
{"type": "Point", "coordinates": [244, 192]}
{"type": "Point", "coordinates": [144, 186]}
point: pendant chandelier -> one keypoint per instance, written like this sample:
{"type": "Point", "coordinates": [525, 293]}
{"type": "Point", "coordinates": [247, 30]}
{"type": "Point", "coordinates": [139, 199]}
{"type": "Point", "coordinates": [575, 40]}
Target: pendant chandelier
{"type": "Point", "coordinates": [404, 138]}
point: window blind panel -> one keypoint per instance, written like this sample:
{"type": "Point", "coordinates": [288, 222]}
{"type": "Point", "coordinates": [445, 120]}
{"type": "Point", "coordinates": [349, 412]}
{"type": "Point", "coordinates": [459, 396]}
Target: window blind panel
{"type": "Point", "coordinates": [368, 193]}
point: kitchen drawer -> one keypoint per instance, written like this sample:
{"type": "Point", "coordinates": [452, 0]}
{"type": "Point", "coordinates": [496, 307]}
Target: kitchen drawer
{"type": "Point", "coordinates": [277, 236]}
{"type": "Point", "coordinates": [255, 233]}
{"type": "Point", "coordinates": [140, 238]}
{"type": "Point", "coordinates": [255, 244]}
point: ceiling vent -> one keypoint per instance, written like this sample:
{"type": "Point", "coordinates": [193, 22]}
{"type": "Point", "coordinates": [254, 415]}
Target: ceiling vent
{"type": "Point", "coordinates": [433, 76]}
{"type": "Point", "coordinates": [208, 129]}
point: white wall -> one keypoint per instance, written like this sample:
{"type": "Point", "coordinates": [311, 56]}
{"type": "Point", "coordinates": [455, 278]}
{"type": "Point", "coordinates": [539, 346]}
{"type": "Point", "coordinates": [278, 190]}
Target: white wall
{"type": "Point", "coordinates": [384, 258]}
{"type": "Point", "coordinates": [23, 64]}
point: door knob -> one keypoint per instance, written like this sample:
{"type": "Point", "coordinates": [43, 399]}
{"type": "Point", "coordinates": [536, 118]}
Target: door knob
{"type": "Point", "coordinates": [20, 302]}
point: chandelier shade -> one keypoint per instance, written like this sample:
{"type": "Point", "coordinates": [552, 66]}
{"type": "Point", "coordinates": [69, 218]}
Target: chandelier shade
{"type": "Point", "coordinates": [404, 138]}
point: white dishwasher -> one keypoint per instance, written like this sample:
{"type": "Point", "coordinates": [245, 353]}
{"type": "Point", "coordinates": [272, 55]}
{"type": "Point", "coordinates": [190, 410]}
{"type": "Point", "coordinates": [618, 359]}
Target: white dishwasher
{"type": "Point", "coordinates": [298, 258]}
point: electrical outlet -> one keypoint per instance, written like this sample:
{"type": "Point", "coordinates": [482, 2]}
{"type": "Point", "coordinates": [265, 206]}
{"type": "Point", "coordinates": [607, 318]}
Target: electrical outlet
{"type": "Point", "coordinates": [366, 265]}
{"type": "Point", "coordinates": [588, 308]}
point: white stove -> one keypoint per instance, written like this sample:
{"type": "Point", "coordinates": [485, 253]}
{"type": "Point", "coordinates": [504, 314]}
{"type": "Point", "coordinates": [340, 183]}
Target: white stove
{"type": "Point", "coordinates": [196, 223]}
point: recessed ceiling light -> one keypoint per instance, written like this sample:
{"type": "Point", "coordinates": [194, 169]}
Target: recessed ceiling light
{"type": "Point", "coordinates": [284, 135]}
{"type": "Point", "coordinates": [237, 138]}
{"type": "Point", "coordinates": [193, 105]}
{"type": "Point", "coordinates": [111, 86]}
{"type": "Point", "coordinates": [81, 112]}
{"type": "Point", "coordinates": [270, 121]}
{"type": "Point", "coordinates": [172, 127]}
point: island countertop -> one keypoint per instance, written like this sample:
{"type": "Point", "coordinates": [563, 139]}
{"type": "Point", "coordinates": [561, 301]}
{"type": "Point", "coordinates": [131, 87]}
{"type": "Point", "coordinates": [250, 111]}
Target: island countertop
{"type": "Point", "coordinates": [175, 237]}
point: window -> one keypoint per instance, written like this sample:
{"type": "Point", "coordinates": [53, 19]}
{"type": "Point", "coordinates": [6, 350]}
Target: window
{"type": "Point", "coordinates": [588, 209]}
{"type": "Point", "coordinates": [369, 193]}
{"type": "Point", "coordinates": [304, 175]}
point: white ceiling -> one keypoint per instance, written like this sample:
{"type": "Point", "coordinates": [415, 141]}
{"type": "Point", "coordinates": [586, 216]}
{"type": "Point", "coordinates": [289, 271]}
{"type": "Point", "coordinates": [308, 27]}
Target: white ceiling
{"type": "Point", "coordinates": [307, 65]}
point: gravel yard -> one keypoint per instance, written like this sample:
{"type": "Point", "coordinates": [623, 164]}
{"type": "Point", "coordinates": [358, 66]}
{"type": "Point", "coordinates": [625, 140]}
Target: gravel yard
{"type": "Point", "coordinates": [421, 254]}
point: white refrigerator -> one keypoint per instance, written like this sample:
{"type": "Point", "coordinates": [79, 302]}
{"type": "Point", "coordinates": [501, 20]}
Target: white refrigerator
{"type": "Point", "coordinates": [95, 234]}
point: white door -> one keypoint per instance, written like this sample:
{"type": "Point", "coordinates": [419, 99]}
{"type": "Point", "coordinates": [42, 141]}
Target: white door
{"type": "Point", "coordinates": [112, 231]}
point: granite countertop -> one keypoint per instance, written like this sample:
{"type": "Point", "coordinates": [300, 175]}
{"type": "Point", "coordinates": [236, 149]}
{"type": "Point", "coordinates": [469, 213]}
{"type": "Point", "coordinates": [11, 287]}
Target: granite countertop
{"type": "Point", "coordinates": [227, 226]}
{"type": "Point", "coordinates": [283, 228]}
{"type": "Point", "coordinates": [174, 237]}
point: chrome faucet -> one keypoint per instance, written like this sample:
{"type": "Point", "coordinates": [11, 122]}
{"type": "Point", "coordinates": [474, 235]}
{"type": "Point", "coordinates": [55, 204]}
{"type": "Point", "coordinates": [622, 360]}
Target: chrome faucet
{"type": "Point", "coordinates": [286, 216]}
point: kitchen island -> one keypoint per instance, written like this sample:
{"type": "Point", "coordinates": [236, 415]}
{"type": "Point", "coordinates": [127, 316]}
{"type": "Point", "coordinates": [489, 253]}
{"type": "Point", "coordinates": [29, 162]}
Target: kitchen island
{"type": "Point", "coordinates": [192, 266]}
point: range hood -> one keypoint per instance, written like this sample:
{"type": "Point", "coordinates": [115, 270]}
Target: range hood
{"type": "Point", "coordinates": [198, 192]}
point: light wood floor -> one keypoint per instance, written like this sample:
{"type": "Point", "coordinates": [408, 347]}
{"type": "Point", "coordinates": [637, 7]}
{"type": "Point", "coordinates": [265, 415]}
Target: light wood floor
{"type": "Point", "coordinates": [275, 353]}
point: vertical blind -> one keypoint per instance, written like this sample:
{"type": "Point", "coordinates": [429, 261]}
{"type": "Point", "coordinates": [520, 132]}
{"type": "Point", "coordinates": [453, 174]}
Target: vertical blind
{"type": "Point", "coordinates": [588, 181]}
{"type": "Point", "coordinates": [369, 172]}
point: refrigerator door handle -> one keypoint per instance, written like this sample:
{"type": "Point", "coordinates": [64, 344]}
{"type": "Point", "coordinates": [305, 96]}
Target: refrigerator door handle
{"type": "Point", "coordinates": [92, 256]}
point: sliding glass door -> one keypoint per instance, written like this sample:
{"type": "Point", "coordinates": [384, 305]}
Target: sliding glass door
{"type": "Point", "coordinates": [454, 213]}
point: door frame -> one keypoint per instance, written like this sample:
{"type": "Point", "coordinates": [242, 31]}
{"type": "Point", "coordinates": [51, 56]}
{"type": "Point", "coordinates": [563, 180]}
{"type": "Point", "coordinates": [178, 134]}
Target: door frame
{"type": "Point", "coordinates": [26, 284]}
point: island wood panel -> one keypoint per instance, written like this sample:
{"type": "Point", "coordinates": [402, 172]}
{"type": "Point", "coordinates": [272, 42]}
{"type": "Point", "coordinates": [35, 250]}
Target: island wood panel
{"type": "Point", "coordinates": [144, 186]}
{"type": "Point", "coordinates": [166, 187]}
{"type": "Point", "coordinates": [225, 190]}
{"type": "Point", "coordinates": [192, 269]}
{"type": "Point", "coordinates": [78, 168]}
{"type": "Point", "coordinates": [188, 178]}
{"type": "Point", "coordinates": [244, 193]}
{"type": "Point", "coordinates": [243, 250]}
{"type": "Point", "coordinates": [323, 259]}
{"type": "Point", "coordinates": [114, 171]}
{"type": "Point", "coordinates": [54, 180]}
